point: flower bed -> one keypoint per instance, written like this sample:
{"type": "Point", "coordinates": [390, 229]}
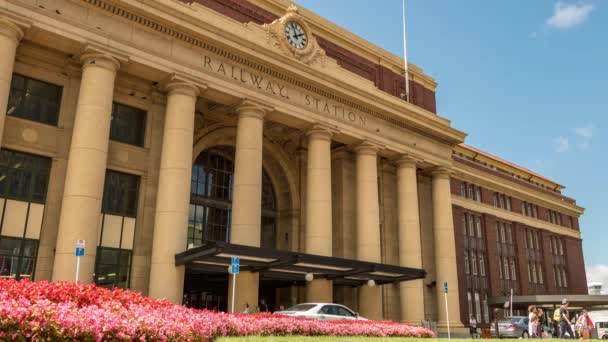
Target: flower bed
{"type": "Point", "coordinates": [68, 311]}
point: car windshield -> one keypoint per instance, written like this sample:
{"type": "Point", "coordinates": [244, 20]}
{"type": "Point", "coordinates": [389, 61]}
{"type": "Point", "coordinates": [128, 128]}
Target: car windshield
{"type": "Point", "coordinates": [515, 319]}
{"type": "Point", "coordinates": [301, 307]}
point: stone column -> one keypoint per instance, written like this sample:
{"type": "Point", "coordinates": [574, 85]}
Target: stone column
{"type": "Point", "coordinates": [86, 169]}
{"type": "Point", "coordinates": [173, 199]}
{"type": "Point", "coordinates": [410, 243]}
{"type": "Point", "coordinates": [247, 196]}
{"type": "Point", "coordinates": [368, 225]}
{"type": "Point", "coordinates": [445, 248]}
{"type": "Point", "coordinates": [318, 208]}
{"type": "Point", "coordinates": [10, 35]}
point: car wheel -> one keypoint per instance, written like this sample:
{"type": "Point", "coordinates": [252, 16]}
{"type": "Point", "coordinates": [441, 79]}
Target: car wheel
{"type": "Point", "coordinates": [605, 337]}
{"type": "Point", "coordinates": [525, 335]}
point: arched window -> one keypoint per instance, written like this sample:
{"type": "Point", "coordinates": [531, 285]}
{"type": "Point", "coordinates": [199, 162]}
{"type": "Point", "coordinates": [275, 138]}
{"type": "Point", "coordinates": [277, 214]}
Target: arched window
{"type": "Point", "coordinates": [211, 199]}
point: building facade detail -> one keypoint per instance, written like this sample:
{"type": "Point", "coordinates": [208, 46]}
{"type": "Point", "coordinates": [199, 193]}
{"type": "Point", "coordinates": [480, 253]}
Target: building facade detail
{"type": "Point", "coordinates": [152, 129]}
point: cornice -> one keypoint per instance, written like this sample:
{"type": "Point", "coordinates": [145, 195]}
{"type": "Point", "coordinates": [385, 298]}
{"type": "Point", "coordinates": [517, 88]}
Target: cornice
{"type": "Point", "coordinates": [514, 217]}
{"type": "Point", "coordinates": [161, 16]}
{"type": "Point", "coordinates": [504, 186]}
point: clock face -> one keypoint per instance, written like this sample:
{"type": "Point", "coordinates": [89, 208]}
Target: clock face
{"type": "Point", "coordinates": [295, 34]}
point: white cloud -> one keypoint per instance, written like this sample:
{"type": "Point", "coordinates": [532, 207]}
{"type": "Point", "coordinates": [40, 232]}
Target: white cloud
{"type": "Point", "coordinates": [562, 144]}
{"type": "Point", "coordinates": [598, 273]}
{"type": "Point", "coordinates": [569, 15]}
{"type": "Point", "coordinates": [585, 131]}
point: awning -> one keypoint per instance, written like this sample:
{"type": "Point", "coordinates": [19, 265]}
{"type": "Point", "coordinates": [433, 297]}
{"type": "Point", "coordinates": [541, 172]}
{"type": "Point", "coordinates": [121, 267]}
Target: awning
{"type": "Point", "coordinates": [216, 256]}
{"type": "Point", "coordinates": [590, 302]}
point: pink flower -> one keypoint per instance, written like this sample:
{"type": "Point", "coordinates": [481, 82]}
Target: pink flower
{"type": "Point", "coordinates": [40, 311]}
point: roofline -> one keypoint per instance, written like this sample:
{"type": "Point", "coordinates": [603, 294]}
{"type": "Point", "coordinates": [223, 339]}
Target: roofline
{"type": "Point", "coordinates": [507, 164]}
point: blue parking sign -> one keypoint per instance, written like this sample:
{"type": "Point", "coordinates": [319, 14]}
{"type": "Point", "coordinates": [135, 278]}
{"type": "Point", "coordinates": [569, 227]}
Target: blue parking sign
{"type": "Point", "coordinates": [79, 251]}
{"type": "Point", "coordinates": [235, 264]}
{"type": "Point", "coordinates": [445, 286]}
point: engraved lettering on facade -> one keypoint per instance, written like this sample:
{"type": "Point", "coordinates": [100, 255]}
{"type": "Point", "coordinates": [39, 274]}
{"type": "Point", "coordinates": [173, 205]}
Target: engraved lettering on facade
{"type": "Point", "coordinates": [268, 85]}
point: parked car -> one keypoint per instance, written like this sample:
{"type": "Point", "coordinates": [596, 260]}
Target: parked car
{"type": "Point", "coordinates": [325, 311]}
{"type": "Point", "coordinates": [602, 329]}
{"type": "Point", "coordinates": [513, 327]}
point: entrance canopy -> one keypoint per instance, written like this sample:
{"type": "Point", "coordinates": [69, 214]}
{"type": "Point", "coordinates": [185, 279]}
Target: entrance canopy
{"type": "Point", "coordinates": [279, 265]}
{"type": "Point", "coordinates": [590, 302]}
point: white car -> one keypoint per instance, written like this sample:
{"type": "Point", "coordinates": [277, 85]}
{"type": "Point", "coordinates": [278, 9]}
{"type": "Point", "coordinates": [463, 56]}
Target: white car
{"type": "Point", "coordinates": [324, 311]}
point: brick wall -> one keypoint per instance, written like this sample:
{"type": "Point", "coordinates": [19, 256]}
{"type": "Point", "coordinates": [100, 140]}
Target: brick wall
{"type": "Point", "coordinates": [577, 280]}
{"type": "Point", "coordinates": [458, 240]}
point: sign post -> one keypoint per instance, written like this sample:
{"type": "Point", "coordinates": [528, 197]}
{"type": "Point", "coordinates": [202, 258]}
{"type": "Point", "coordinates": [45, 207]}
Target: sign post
{"type": "Point", "coordinates": [447, 315]}
{"type": "Point", "coordinates": [79, 252]}
{"type": "Point", "coordinates": [234, 269]}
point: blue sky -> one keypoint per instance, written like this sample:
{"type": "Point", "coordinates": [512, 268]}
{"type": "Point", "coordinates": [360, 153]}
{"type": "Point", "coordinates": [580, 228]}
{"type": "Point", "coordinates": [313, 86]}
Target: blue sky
{"type": "Point", "coordinates": [527, 80]}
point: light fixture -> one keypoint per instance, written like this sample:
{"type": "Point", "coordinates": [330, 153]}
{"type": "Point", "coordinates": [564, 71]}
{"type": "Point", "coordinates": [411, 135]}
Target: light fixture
{"type": "Point", "coordinates": [371, 283]}
{"type": "Point", "coordinates": [309, 277]}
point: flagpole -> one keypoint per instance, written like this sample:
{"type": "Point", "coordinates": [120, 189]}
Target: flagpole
{"type": "Point", "coordinates": [405, 67]}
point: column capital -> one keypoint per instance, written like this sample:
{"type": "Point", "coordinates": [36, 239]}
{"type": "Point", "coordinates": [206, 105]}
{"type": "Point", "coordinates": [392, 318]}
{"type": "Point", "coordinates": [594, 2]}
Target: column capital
{"type": "Point", "coordinates": [181, 87]}
{"type": "Point", "coordinates": [252, 108]}
{"type": "Point", "coordinates": [367, 147]}
{"type": "Point", "coordinates": [9, 29]}
{"type": "Point", "coordinates": [406, 161]}
{"type": "Point", "coordinates": [321, 131]}
{"type": "Point", "coordinates": [440, 171]}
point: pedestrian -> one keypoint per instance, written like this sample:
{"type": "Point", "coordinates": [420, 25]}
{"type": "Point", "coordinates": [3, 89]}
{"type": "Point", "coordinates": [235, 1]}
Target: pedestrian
{"type": "Point", "coordinates": [584, 325]}
{"type": "Point", "coordinates": [565, 327]}
{"type": "Point", "coordinates": [473, 326]}
{"type": "Point", "coordinates": [246, 310]}
{"type": "Point", "coordinates": [540, 315]}
{"type": "Point", "coordinates": [532, 321]}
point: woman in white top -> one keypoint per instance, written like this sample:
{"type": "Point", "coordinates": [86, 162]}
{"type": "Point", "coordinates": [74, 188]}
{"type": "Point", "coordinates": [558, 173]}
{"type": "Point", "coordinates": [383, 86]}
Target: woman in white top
{"type": "Point", "coordinates": [532, 321]}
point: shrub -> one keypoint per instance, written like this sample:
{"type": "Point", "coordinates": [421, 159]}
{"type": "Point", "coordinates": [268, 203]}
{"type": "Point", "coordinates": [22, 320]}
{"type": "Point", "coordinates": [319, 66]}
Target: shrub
{"type": "Point", "coordinates": [68, 311]}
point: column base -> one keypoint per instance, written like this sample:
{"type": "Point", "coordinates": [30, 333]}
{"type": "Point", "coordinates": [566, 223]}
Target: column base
{"type": "Point", "coordinates": [370, 302]}
{"type": "Point", "coordinates": [246, 291]}
{"type": "Point", "coordinates": [459, 331]}
{"type": "Point", "coordinates": [167, 282]}
{"type": "Point", "coordinates": [319, 291]}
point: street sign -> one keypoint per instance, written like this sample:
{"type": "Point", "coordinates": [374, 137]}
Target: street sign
{"type": "Point", "coordinates": [235, 264]}
{"type": "Point", "coordinates": [79, 252]}
{"type": "Point", "coordinates": [80, 248]}
{"type": "Point", "coordinates": [445, 286]}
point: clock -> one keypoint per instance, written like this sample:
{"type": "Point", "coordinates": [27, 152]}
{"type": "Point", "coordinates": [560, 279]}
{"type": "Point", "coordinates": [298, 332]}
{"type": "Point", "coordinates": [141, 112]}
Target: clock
{"type": "Point", "coordinates": [295, 34]}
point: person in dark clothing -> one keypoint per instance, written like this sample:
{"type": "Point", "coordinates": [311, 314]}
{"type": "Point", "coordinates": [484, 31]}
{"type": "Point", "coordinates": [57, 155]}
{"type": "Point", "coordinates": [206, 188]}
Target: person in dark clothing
{"type": "Point", "coordinates": [565, 328]}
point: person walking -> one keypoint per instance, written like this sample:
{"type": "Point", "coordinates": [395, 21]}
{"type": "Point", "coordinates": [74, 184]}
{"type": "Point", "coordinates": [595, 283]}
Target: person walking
{"type": "Point", "coordinates": [473, 326]}
{"type": "Point", "coordinates": [565, 327]}
{"type": "Point", "coordinates": [584, 325]}
{"type": "Point", "coordinates": [532, 321]}
{"type": "Point", "coordinates": [540, 316]}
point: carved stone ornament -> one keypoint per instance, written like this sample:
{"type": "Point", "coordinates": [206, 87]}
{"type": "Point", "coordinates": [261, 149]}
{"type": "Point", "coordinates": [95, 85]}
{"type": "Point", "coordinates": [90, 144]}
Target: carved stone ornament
{"type": "Point", "coordinates": [276, 34]}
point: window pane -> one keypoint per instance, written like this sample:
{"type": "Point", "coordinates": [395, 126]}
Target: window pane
{"type": "Point", "coordinates": [113, 267]}
{"type": "Point", "coordinates": [128, 124]}
{"type": "Point", "coordinates": [17, 257]}
{"type": "Point", "coordinates": [120, 194]}
{"type": "Point", "coordinates": [34, 100]}
{"type": "Point", "coordinates": [24, 176]}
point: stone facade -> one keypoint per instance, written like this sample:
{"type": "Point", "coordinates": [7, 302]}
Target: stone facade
{"type": "Point", "coordinates": [356, 171]}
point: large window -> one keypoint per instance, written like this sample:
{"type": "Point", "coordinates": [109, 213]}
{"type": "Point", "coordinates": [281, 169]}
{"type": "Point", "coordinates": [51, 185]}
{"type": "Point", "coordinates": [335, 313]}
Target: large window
{"type": "Point", "coordinates": [23, 187]}
{"type": "Point", "coordinates": [211, 199]}
{"type": "Point", "coordinates": [128, 124]}
{"type": "Point", "coordinates": [534, 255]}
{"type": "Point", "coordinates": [507, 261]}
{"type": "Point", "coordinates": [34, 100]}
{"type": "Point", "coordinates": [475, 264]}
{"type": "Point", "coordinates": [119, 210]}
